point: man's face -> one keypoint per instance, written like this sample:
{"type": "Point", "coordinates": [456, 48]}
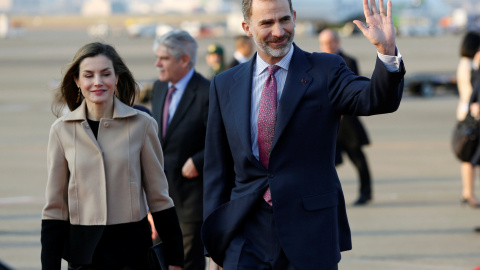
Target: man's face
{"type": "Point", "coordinates": [213, 59]}
{"type": "Point", "coordinates": [328, 42]}
{"type": "Point", "coordinates": [170, 69]}
{"type": "Point", "coordinates": [272, 26]}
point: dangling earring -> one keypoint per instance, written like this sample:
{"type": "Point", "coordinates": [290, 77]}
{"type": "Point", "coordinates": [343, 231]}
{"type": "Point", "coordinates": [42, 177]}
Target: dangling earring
{"type": "Point", "coordinates": [79, 94]}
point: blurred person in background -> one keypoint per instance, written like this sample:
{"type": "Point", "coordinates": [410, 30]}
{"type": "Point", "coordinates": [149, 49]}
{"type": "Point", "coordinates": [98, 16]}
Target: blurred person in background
{"type": "Point", "coordinates": [243, 50]}
{"type": "Point", "coordinates": [104, 159]}
{"type": "Point", "coordinates": [469, 47]}
{"type": "Point", "coordinates": [475, 109]}
{"type": "Point", "coordinates": [180, 106]}
{"type": "Point", "coordinates": [215, 60]}
{"type": "Point", "coordinates": [352, 135]}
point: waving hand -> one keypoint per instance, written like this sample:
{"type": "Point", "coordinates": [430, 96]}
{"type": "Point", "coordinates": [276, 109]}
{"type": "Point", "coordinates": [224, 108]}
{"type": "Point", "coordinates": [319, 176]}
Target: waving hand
{"type": "Point", "coordinates": [379, 29]}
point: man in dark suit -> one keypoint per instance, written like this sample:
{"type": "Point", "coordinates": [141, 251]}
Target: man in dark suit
{"type": "Point", "coordinates": [243, 50]}
{"type": "Point", "coordinates": [352, 136]}
{"type": "Point", "coordinates": [180, 106]}
{"type": "Point", "coordinates": [272, 196]}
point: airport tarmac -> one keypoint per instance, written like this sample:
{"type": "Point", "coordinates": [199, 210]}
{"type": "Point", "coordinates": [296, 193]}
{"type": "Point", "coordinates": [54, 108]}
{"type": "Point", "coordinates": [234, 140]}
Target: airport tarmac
{"type": "Point", "coordinates": [415, 221]}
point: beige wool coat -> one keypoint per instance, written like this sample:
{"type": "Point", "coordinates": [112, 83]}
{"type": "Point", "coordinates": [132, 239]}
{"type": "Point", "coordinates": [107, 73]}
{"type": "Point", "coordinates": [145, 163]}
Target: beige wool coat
{"type": "Point", "coordinates": [108, 180]}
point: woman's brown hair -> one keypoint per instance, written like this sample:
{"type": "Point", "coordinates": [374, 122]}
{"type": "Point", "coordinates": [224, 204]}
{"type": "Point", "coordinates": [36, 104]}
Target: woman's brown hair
{"type": "Point", "coordinates": [67, 92]}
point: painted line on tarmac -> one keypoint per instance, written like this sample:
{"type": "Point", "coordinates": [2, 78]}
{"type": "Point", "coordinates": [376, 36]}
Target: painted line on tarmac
{"type": "Point", "coordinates": [21, 200]}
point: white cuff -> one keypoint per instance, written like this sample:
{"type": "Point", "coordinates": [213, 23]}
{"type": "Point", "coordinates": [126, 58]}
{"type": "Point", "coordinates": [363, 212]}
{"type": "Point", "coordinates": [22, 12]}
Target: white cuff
{"type": "Point", "coordinates": [392, 63]}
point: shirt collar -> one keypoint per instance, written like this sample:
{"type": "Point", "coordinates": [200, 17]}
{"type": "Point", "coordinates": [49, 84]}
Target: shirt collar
{"type": "Point", "coordinates": [182, 83]}
{"type": "Point", "coordinates": [283, 63]}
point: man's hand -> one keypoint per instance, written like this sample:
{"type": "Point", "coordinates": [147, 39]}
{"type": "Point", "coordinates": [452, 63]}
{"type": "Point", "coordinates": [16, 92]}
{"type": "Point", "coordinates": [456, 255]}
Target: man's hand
{"type": "Point", "coordinates": [171, 267]}
{"type": "Point", "coordinates": [379, 29]}
{"type": "Point", "coordinates": [475, 110]}
{"type": "Point", "coordinates": [213, 266]}
{"type": "Point", "coordinates": [188, 170]}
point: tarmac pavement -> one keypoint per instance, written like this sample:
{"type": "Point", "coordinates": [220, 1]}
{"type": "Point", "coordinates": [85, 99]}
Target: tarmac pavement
{"type": "Point", "coordinates": [414, 222]}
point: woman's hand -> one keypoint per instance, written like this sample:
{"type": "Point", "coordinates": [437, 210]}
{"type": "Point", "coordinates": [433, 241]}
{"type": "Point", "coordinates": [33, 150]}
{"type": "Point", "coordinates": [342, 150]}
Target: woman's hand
{"type": "Point", "coordinates": [152, 225]}
{"type": "Point", "coordinates": [171, 267]}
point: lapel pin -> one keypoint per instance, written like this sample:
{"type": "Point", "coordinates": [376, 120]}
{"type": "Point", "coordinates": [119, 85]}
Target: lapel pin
{"type": "Point", "coordinates": [304, 81]}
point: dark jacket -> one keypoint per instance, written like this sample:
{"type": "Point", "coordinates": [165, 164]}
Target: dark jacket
{"type": "Point", "coordinates": [308, 203]}
{"type": "Point", "coordinates": [476, 98]}
{"type": "Point", "coordinates": [185, 138]}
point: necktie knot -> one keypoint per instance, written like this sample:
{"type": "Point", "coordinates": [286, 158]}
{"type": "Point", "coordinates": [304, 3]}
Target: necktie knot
{"type": "Point", "coordinates": [273, 69]}
{"type": "Point", "coordinates": [171, 89]}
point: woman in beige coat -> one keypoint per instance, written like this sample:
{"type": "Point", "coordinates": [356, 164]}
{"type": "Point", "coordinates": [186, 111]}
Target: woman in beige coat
{"type": "Point", "coordinates": [105, 172]}
{"type": "Point", "coordinates": [470, 46]}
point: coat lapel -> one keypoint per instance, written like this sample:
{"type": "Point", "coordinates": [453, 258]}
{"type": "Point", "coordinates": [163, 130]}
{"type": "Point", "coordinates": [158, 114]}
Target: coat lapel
{"type": "Point", "coordinates": [159, 93]}
{"type": "Point", "coordinates": [296, 85]}
{"type": "Point", "coordinates": [241, 96]}
{"type": "Point", "coordinates": [184, 104]}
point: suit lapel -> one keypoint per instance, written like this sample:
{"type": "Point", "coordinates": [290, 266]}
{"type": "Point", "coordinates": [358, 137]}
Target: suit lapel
{"type": "Point", "coordinates": [159, 95]}
{"type": "Point", "coordinates": [184, 104]}
{"type": "Point", "coordinates": [296, 85]}
{"type": "Point", "coordinates": [241, 96]}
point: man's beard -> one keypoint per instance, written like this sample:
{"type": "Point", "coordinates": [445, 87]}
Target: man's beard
{"type": "Point", "coordinates": [280, 51]}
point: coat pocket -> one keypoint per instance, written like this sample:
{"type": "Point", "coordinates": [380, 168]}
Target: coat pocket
{"type": "Point", "coordinates": [321, 201]}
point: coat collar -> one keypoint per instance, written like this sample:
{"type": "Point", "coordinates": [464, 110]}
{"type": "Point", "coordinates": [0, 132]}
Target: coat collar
{"type": "Point", "coordinates": [120, 110]}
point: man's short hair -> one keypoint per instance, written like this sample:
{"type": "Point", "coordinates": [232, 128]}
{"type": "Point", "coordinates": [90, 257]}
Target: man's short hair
{"type": "Point", "coordinates": [178, 43]}
{"type": "Point", "coordinates": [247, 8]}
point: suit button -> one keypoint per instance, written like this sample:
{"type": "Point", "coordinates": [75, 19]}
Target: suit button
{"type": "Point", "coordinates": [106, 124]}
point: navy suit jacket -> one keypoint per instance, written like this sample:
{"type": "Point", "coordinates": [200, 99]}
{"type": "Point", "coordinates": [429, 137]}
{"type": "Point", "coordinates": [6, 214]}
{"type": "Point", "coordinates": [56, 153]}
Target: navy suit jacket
{"type": "Point", "coordinates": [308, 202]}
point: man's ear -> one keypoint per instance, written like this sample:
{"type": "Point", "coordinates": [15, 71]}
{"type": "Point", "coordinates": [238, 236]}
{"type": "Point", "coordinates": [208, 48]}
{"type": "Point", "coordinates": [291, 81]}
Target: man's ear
{"type": "Point", "coordinates": [246, 28]}
{"type": "Point", "coordinates": [294, 17]}
{"type": "Point", "coordinates": [185, 60]}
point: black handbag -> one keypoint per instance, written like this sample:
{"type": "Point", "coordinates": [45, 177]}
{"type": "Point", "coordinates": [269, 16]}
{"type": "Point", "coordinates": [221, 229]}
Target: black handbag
{"type": "Point", "coordinates": [465, 138]}
{"type": "Point", "coordinates": [156, 257]}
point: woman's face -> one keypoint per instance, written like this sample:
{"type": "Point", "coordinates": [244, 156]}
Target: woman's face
{"type": "Point", "coordinates": [97, 79]}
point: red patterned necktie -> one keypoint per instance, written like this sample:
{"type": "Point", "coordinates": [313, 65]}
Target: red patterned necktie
{"type": "Point", "coordinates": [267, 117]}
{"type": "Point", "coordinates": [166, 106]}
